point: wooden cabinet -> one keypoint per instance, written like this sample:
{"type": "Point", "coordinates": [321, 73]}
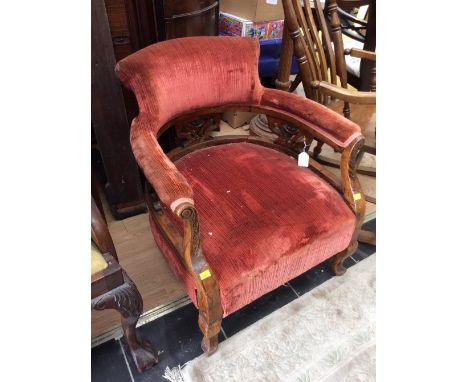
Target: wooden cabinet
{"type": "Point", "coordinates": [117, 166]}
{"type": "Point", "coordinates": [186, 18]}
{"type": "Point", "coordinates": [119, 28]}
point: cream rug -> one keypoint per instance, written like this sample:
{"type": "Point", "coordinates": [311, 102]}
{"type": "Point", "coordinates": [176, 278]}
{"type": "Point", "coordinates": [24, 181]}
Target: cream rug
{"type": "Point", "coordinates": [326, 335]}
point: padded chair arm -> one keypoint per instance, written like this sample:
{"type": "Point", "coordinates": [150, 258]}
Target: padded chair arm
{"type": "Point", "coordinates": [332, 128]}
{"type": "Point", "coordinates": [171, 186]}
{"type": "Point", "coordinates": [352, 96]}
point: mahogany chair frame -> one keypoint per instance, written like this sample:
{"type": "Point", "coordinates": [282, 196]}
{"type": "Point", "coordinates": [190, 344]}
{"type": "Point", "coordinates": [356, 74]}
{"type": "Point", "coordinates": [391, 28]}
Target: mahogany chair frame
{"type": "Point", "coordinates": [292, 132]}
{"type": "Point", "coordinates": [112, 288]}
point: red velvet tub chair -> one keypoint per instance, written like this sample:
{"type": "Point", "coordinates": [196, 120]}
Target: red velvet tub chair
{"type": "Point", "coordinates": [235, 216]}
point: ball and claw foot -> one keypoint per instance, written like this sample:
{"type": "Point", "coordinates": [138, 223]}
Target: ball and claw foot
{"type": "Point", "coordinates": [144, 357]}
{"type": "Point", "coordinates": [126, 299]}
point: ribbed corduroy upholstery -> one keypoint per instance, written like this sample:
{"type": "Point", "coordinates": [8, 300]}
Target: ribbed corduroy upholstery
{"type": "Point", "coordinates": [332, 125]}
{"type": "Point", "coordinates": [179, 76]}
{"type": "Point", "coordinates": [263, 220]}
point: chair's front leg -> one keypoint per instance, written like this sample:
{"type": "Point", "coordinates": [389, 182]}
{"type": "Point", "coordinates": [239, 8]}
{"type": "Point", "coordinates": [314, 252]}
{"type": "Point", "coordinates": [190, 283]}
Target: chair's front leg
{"type": "Point", "coordinates": [126, 299]}
{"type": "Point", "coordinates": [209, 317]}
{"type": "Point", "coordinates": [338, 260]}
{"type": "Point", "coordinates": [354, 197]}
{"type": "Point", "coordinates": [208, 295]}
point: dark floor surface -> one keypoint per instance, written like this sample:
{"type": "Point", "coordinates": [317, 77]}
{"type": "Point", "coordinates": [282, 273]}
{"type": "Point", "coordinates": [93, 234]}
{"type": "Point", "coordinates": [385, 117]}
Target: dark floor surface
{"type": "Point", "coordinates": [177, 337]}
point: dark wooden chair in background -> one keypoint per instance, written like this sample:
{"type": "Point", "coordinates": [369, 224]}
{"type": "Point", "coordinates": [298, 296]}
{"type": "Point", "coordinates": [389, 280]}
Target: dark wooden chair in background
{"type": "Point", "coordinates": [227, 240]}
{"type": "Point", "coordinates": [111, 288]}
{"type": "Point", "coordinates": [362, 35]}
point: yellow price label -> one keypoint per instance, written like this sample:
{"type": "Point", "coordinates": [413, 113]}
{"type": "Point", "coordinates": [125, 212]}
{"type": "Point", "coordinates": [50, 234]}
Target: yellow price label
{"type": "Point", "coordinates": [205, 274]}
{"type": "Point", "coordinates": [357, 196]}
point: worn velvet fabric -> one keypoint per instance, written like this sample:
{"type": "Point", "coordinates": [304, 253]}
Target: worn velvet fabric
{"type": "Point", "coordinates": [178, 76]}
{"type": "Point", "coordinates": [263, 220]}
{"type": "Point", "coordinates": [332, 126]}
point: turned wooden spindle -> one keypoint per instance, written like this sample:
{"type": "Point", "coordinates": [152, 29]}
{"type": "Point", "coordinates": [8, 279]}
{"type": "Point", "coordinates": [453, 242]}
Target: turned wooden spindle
{"type": "Point", "coordinates": [337, 39]}
{"type": "Point", "coordinates": [282, 81]}
{"type": "Point", "coordinates": [373, 86]}
{"type": "Point", "coordinates": [296, 36]}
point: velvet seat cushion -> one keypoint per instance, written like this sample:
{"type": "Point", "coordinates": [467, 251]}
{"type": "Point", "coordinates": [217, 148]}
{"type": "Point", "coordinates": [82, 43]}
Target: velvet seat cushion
{"type": "Point", "coordinates": [263, 220]}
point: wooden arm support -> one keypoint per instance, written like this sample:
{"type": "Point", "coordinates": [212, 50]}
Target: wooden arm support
{"type": "Point", "coordinates": [352, 192]}
{"type": "Point", "coordinates": [361, 53]}
{"type": "Point", "coordinates": [351, 96]}
{"type": "Point", "coordinates": [208, 294]}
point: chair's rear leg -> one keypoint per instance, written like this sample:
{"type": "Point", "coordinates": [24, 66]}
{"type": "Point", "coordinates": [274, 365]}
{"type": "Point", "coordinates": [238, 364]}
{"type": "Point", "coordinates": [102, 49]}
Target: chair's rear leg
{"type": "Point", "coordinates": [317, 149]}
{"type": "Point", "coordinates": [337, 260]}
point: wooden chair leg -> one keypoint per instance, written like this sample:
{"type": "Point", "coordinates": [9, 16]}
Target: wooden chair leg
{"type": "Point", "coordinates": [367, 237]}
{"type": "Point", "coordinates": [126, 299]}
{"type": "Point", "coordinates": [337, 260]}
{"type": "Point", "coordinates": [217, 121]}
{"type": "Point", "coordinates": [317, 150]}
{"type": "Point", "coordinates": [209, 319]}
{"type": "Point", "coordinates": [210, 315]}
{"type": "Point", "coordinates": [210, 332]}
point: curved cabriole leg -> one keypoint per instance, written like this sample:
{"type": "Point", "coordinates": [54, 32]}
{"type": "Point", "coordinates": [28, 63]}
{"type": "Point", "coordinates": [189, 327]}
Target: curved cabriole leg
{"type": "Point", "coordinates": [126, 299]}
{"type": "Point", "coordinates": [337, 260]}
{"type": "Point", "coordinates": [208, 295]}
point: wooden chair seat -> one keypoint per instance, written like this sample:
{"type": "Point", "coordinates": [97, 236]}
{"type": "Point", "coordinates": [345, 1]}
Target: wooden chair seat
{"type": "Point", "coordinates": [353, 64]}
{"type": "Point", "coordinates": [364, 116]}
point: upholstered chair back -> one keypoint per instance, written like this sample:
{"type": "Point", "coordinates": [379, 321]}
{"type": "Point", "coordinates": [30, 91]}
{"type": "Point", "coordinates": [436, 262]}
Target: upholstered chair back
{"type": "Point", "coordinates": [181, 76]}
{"type": "Point", "coordinates": [175, 77]}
